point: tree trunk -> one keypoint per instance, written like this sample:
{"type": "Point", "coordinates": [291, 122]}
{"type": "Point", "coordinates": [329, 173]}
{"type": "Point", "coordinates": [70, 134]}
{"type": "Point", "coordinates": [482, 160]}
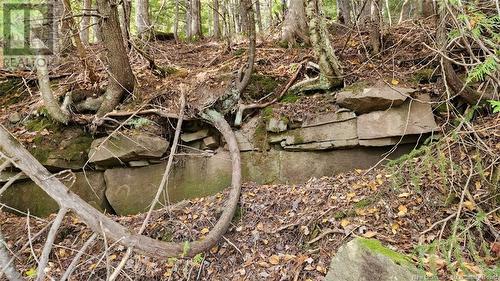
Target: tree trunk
{"type": "Point", "coordinates": [82, 52]}
{"type": "Point", "coordinates": [375, 34]}
{"type": "Point", "coordinates": [121, 79]}
{"type": "Point", "coordinates": [176, 21]}
{"type": "Point", "coordinates": [258, 15]}
{"type": "Point", "coordinates": [344, 12]}
{"type": "Point", "coordinates": [427, 8]}
{"type": "Point", "coordinates": [295, 26]}
{"type": "Point", "coordinates": [331, 74]}
{"type": "Point", "coordinates": [196, 19]}
{"type": "Point", "coordinates": [143, 23]}
{"type": "Point", "coordinates": [85, 23]}
{"type": "Point", "coordinates": [215, 11]}
{"type": "Point", "coordinates": [96, 27]}
{"type": "Point", "coordinates": [270, 10]}
{"type": "Point", "coordinates": [189, 12]}
{"type": "Point", "coordinates": [405, 11]}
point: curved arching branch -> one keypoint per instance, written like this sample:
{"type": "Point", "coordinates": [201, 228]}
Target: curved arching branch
{"type": "Point", "coordinates": [99, 222]}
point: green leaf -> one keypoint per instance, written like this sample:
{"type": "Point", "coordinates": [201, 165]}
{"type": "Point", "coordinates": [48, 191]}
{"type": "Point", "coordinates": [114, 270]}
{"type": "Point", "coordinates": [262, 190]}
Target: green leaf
{"type": "Point", "coordinates": [496, 105]}
{"type": "Point", "coordinates": [31, 273]}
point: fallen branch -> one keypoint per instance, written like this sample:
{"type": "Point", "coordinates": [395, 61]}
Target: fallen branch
{"type": "Point", "coordinates": [113, 230]}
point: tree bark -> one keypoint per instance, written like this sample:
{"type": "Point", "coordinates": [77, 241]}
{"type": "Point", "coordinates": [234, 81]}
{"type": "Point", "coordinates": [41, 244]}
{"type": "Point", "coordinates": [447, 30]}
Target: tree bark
{"type": "Point", "coordinates": [258, 15]}
{"type": "Point", "coordinates": [427, 8]}
{"type": "Point", "coordinates": [196, 19]}
{"type": "Point", "coordinates": [143, 22]}
{"type": "Point", "coordinates": [295, 26]}
{"type": "Point", "coordinates": [176, 21]}
{"type": "Point", "coordinates": [85, 23]}
{"type": "Point", "coordinates": [270, 10]}
{"type": "Point", "coordinates": [189, 12]}
{"type": "Point", "coordinates": [344, 12]}
{"type": "Point", "coordinates": [96, 27]}
{"type": "Point", "coordinates": [216, 22]}
{"type": "Point", "coordinates": [375, 32]}
{"type": "Point", "coordinates": [121, 79]}
{"type": "Point", "coordinates": [329, 65]}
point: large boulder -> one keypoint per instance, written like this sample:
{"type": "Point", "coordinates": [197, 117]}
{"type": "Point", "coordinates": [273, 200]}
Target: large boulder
{"type": "Point", "coordinates": [374, 98]}
{"type": "Point", "coordinates": [121, 148]}
{"type": "Point", "coordinates": [411, 118]}
{"type": "Point", "coordinates": [24, 196]}
{"type": "Point", "coordinates": [367, 260]}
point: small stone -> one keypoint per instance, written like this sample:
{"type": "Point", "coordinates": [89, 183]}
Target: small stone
{"type": "Point", "coordinates": [138, 163]}
{"type": "Point", "coordinates": [189, 137]}
{"type": "Point", "coordinates": [374, 98]}
{"type": "Point", "coordinates": [276, 125]}
{"type": "Point", "coordinates": [210, 143]}
{"type": "Point", "coordinates": [15, 117]}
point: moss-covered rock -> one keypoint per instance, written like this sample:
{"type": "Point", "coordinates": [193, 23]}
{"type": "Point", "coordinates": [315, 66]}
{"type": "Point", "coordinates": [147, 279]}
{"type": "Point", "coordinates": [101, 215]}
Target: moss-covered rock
{"type": "Point", "coordinates": [368, 260]}
{"type": "Point", "coordinates": [261, 85]}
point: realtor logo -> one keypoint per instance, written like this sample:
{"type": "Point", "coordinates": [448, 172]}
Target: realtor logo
{"type": "Point", "coordinates": [25, 22]}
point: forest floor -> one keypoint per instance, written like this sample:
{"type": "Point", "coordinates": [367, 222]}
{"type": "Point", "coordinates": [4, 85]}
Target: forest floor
{"type": "Point", "coordinates": [290, 232]}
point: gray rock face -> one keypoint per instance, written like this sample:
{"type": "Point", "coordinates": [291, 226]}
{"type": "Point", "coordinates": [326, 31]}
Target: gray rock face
{"type": "Point", "coordinates": [330, 117]}
{"type": "Point", "coordinates": [375, 98]}
{"type": "Point", "coordinates": [276, 125]}
{"type": "Point", "coordinates": [245, 135]}
{"type": "Point", "coordinates": [24, 196]}
{"type": "Point", "coordinates": [411, 118]}
{"type": "Point", "coordinates": [367, 260]}
{"type": "Point", "coordinates": [121, 148]}
{"type": "Point", "coordinates": [14, 117]}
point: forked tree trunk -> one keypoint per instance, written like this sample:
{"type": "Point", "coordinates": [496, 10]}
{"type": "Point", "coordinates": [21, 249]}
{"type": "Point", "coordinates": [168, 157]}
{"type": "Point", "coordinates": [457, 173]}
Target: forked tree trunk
{"type": "Point", "coordinates": [330, 68]}
{"type": "Point", "coordinates": [216, 22]}
{"type": "Point", "coordinates": [143, 23]}
{"type": "Point", "coordinates": [121, 79]}
{"type": "Point", "coordinates": [85, 23]}
{"type": "Point", "coordinates": [295, 26]}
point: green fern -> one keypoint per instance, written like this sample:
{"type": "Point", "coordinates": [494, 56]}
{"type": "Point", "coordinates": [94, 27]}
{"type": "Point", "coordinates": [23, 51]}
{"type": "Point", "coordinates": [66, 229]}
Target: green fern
{"type": "Point", "coordinates": [496, 105]}
{"type": "Point", "coordinates": [478, 72]}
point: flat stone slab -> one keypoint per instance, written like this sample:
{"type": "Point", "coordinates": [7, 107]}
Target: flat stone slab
{"type": "Point", "coordinates": [324, 145]}
{"type": "Point", "coordinates": [330, 117]}
{"type": "Point", "coordinates": [373, 98]}
{"type": "Point", "coordinates": [198, 135]}
{"type": "Point", "coordinates": [122, 148]}
{"type": "Point", "coordinates": [411, 118]}
{"type": "Point", "coordinates": [392, 140]}
{"type": "Point", "coordinates": [276, 125]}
{"type": "Point", "coordinates": [24, 196]}
{"type": "Point", "coordinates": [367, 260]}
{"type": "Point", "coordinates": [339, 132]}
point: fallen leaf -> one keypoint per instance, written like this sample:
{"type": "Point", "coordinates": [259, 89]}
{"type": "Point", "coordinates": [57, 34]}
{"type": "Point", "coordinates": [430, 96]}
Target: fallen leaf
{"type": "Point", "coordinates": [469, 205]}
{"type": "Point", "coordinates": [274, 259]}
{"type": "Point", "coordinates": [402, 210]}
{"type": "Point", "coordinates": [404, 195]}
{"type": "Point", "coordinates": [205, 230]}
{"type": "Point", "coordinates": [394, 82]}
{"type": "Point", "coordinates": [344, 223]}
{"type": "Point", "coordinates": [395, 228]}
{"type": "Point", "coordinates": [370, 234]}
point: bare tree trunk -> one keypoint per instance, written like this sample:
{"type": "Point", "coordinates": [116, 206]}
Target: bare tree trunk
{"type": "Point", "coordinates": [405, 10]}
{"type": "Point", "coordinates": [189, 12]}
{"type": "Point", "coordinates": [85, 23]}
{"type": "Point", "coordinates": [344, 12]}
{"type": "Point", "coordinates": [216, 19]}
{"type": "Point", "coordinates": [295, 26]}
{"type": "Point", "coordinates": [270, 11]}
{"type": "Point", "coordinates": [176, 21]}
{"type": "Point", "coordinates": [427, 8]}
{"type": "Point", "coordinates": [375, 34]}
{"type": "Point", "coordinates": [258, 15]}
{"type": "Point", "coordinates": [196, 19]}
{"type": "Point", "coordinates": [96, 27]}
{"type": "Point", "coordinates": [121, 79]}
{"type": "Point", "coordinates": [143, 23]}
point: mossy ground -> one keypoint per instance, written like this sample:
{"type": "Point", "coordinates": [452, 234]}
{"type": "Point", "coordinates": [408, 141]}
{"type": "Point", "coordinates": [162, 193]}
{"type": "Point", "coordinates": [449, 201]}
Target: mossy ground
{"type": "Point", "coordinates": [376, 246]}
